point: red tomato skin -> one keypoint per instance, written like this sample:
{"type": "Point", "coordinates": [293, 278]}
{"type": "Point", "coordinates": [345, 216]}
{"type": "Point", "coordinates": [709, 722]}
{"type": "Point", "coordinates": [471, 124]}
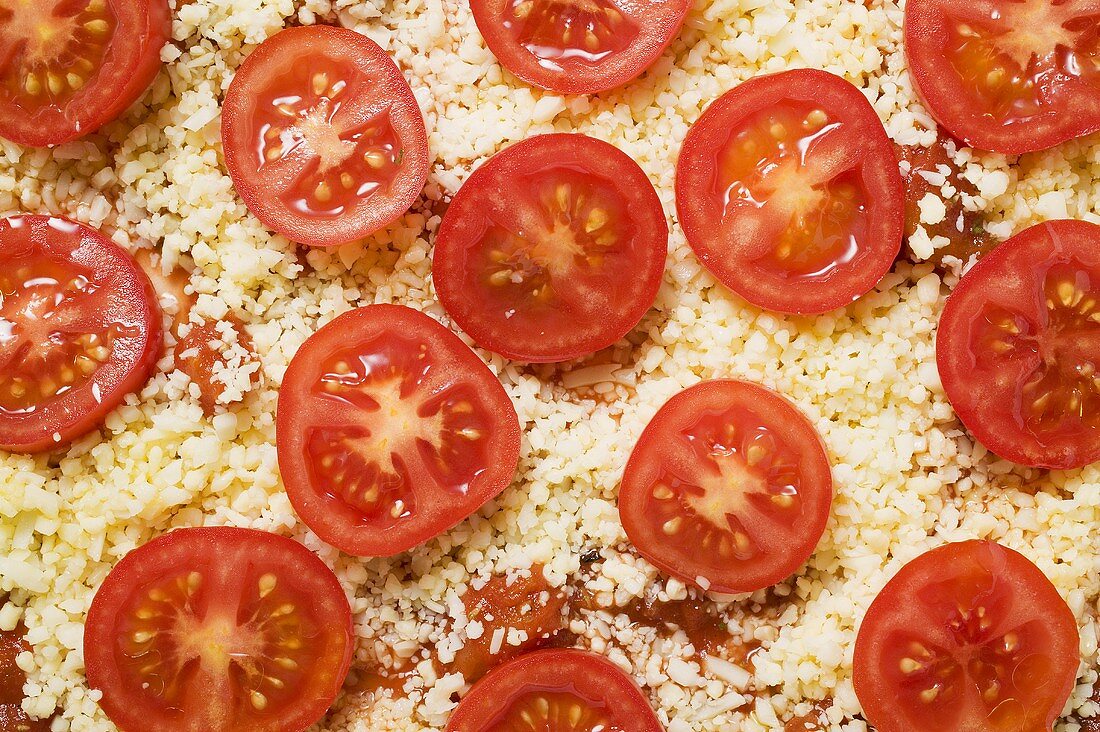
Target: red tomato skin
{"type": "Point", "coordinates": [576, 76]}
{"type": "Point", "coordinates": [879, 706]}
{"type": "Point", "coordinates": [38, 434]}
{"type": "Point", "coordinates": [458, 230]}
{"type": "Point", "coordinates": [585, 671]}
{"type": "Point", "coordinates": [156, 18]}
{"type": "Point", "coordinates": [887, 222]}
{"type": "Point", "coordinates": [340, 333]}
{"type": "Point", "coordinates": [237, 117]}
{"type": "Point", "coordinates": [925, 32]}
{"type": "Point", "coordinates": [634, 491]}
{"type": "Point", "coordinates": [956, 361]}
{"type": "Point", "coordinates": [102, 670]}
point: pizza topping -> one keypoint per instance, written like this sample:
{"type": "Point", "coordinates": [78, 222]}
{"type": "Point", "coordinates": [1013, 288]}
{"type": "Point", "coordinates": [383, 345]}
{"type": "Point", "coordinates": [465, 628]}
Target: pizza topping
{"type": "Point", "coordinates": [219, 359]}
{"type": "Point", "coordinates": [219, 629]}
{"type": "Point", "coordinates": [79, 329]}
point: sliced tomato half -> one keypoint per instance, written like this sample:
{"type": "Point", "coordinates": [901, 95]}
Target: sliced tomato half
{"type": "Point", "coordinates": [556, 691]}
{"type": "Point", "coordinates": [80, 328]}
{"type": "Point", "coordinates": [1018, 347]}
{"type": "Point", "coordinates": [323, 137]}
{"type": "Point", "coordinates": [729, 488]}
{"type": "Point", "coordinates": [391, 431]}
{"type": "Point", "coordinates": [1012, 76]}
{"type": "Point", "coordinates": [789, 192]}
{"type": "Point", "coordinates": [969, 637]}
{"type": "Point", "coordinates": [553, 249]}
{"type": "Point", "coordinates": [579, 46]}
{"type": "Point", "coordinates": [218, 629]}
{"type": "Point", "coordinates": [68, 67]}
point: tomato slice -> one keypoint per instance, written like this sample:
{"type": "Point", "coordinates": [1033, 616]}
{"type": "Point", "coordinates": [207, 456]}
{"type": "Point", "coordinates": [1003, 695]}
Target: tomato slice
{"type": "Point", "coordinates": [218, 629]}
{"type": "Point", "coordinates": [69, 67]}
{"type": "Point", "coordinates": [12, 678]}
{"type": "Point", "coordinates": [789, 192]}
{"type": "Point", "coordinates": [552, 250]}
{"type": "Point", "coordinates": [201, 354]}
{"type": "Point", "coordinates": [969, 637]}
{"type": "Point", "coordinates": [1018, 347]}
{"type": "Point", "coordinates": [1012, 76]}
{"type": "Point", "coordinates": [555, 691]}
{"type": "Point", "coordinates": [578, 46]}
{"type": "Point", "coordinates": [729, 488]}
{"type": "Point", "coordinates": [79, 330]}
{"type": "Point", "coordinates": [391, 431]}
{"type": "Point", "coordinates": [323, 137]}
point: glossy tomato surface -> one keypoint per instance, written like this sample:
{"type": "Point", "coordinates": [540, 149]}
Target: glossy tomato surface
{"type": "Point", "coordinates": [391, 431]}
{"type": "Point", "coordinates": [218, 629]}
{"type": "Point", "coordinates": [68, 67]}
{"type": "Point", "coordinates": [578, 46]}
{"type": "Point", "coordinates": [80, 329]}
{"type": "Point", "coordinates": [789, 191]}
{"type": "Point", "coordinates": [729, 487]}
{"type": "Point", "coordinates": [1012, 76]}
{"type": "Point", "coordinates": [969, 637]}
{"type": "Point", "coordinates": [553, 249]}
{"type": "Point", "coordinates": [323, 137]}
{"type": "Point", "coordinates": [1018, 347]}
{"type": "Point", "coordinates": [555, 691]}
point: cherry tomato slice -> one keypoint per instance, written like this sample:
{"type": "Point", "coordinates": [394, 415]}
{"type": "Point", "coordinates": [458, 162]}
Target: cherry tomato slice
{"type": "Point", "coordinates": [68, 67]}
{"type": "Point", "coordinates": [552, 250]}
{"type": "Point", "coordinates": [79, 330]}
{"type": "Point", "coordinates": [323, 137]}
{"type": "Point", "coordinates": [1012, 76]}
{"type": "Point", "coordinates": [789, 192]}
{"type": "Point", "coordinates": [391, 431]}
{"type": "Point", "coordinates": [729, 488]}
{"type": "Point", "coordinates": [1019, 346]}
{"type": "Point", "coordinates": [970, 637]}
{"type": "Point", "coordinates": [555, 691]}
{"type": "Point", "coordinates": [218, 629]}
{"type": "Point", "coordinates": [578, 46]}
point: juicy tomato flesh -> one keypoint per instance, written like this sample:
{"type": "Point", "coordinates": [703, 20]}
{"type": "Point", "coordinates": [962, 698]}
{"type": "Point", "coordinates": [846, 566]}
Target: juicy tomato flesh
{"type": "Point", "coordinates": [736, 478]}
{"type": "Point", "coordinates": [1018, 343]}
{"type": "Point", "coordinates": [577, 30]}
{"type": "Point", "coordinates": [171, 288]}
{"type": "Point", "coordinates": [45, 344]}
{"type": "Point", "coordinates": [219, 629]}
{"type": "Point", "coordinates": [349, 161]}
{"type": "Point", "coordinates": [1011, 56]}
{"type": "Point", "coordinates": [568, 234]}
{"type": "Point", "coordinates": [528, 604]}
{"type": "Point", "coordinates": [813, 205]}
{"type": "Point", "coordinates": [1059, 392]}
{"type": "Point", "coordinates": [967, 636]}
{"type": "Point", "coordinates": [201, 355]}
{"type": "Point", "coordinates": [728, 487]}
{"type": "Point", "coordinates": [60, 51]}
{"type": "Point", "coordinates": [929, 169]}
{"type": "Point", "coordinates": [555, 691]}
{"type": "Point", "coordinates": [555, 709]}
{"type": "Point", "coordinates": [400, 435]}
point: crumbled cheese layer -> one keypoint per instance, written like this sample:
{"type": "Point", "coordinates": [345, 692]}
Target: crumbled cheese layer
{"type": "Point", "coordinates": [908, 477]}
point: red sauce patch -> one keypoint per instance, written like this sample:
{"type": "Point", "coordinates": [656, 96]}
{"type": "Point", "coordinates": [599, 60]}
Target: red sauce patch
{"type": "Point", "coordinates": [196, 357]}
{"type": "Point", "coordinates": [12, 678]}
{"type": "Point", "coordinates": [964, 229]}
{"type": "Point", "coordinates": [528, 604]}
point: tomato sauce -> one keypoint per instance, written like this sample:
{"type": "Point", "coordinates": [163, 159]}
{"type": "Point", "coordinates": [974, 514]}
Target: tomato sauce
{"type": "Point", "coordinates": [964, 229]}
{"type": "Point", "coordinates": [196, 358]}
{"type": "Point", "coordinates": [12, 678]}
{"type": "Point", "coordinates": [527, 604]}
